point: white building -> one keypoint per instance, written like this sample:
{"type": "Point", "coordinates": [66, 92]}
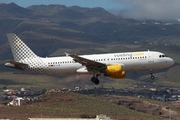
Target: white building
{"type": "Point", "coordinates": [98, 117]}
{"type": "Point", "coordinates": [16, 102]}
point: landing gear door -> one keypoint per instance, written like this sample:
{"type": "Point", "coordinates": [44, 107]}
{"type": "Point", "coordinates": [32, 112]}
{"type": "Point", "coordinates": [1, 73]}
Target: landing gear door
{"type": "Point", "coordinates": [150, 56]}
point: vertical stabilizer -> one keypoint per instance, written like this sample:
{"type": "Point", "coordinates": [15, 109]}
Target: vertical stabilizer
{"type": "Point", "coordinates": [19, 49]}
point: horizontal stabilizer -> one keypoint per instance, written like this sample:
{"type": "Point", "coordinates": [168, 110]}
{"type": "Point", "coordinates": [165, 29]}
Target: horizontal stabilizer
{"type": "Point", "coordinates": [14, 63]}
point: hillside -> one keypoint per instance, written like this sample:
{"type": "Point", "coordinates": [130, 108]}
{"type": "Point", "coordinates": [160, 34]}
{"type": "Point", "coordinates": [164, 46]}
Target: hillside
{"type": "Point", "coordinates": [105, 26]}
{"type": "Point", "coordinates": [13, 11]}
{"type": "Point", "coordinates": [72, 105]}
{"type": "Point", "coordinates": [60, 27]}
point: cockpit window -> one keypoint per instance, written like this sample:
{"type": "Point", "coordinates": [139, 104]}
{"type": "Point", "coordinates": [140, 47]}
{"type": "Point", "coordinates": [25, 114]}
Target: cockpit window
{"type": "Point", "coordinates": [161, 56]}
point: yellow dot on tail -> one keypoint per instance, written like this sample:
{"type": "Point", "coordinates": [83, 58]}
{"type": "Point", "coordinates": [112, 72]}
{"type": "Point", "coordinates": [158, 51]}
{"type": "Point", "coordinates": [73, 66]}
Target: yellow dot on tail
{"type": "Point", "coordinates": [18, 43]}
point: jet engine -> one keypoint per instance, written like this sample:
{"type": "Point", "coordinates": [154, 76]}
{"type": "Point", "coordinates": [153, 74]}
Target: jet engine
{"type": "Point", "coordinates": [115, 71]}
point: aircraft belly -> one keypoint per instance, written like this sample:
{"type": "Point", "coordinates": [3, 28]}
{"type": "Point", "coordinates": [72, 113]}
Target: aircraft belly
{"type": "Point", "coordinates": [64, 70]}
{"type": "Point", "coordinates": [144, 65]}
{"type": "Point", "coordinates": [159, 64]}
{"type": "Point", "coordinates": [136, 65]}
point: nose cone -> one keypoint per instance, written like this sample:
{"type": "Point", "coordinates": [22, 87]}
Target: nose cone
{"type": "Point", "coordinates": [170, 61]}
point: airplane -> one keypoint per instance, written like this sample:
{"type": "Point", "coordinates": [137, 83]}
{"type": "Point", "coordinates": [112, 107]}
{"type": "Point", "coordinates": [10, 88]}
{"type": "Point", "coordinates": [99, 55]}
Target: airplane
{"type": "Point", "coordinates": [114, 65]}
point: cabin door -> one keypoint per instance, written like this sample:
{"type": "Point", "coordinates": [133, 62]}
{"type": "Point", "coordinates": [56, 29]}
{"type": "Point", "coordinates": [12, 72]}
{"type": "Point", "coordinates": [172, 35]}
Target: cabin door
{"type": "Point", "coordinates": [150, 56]}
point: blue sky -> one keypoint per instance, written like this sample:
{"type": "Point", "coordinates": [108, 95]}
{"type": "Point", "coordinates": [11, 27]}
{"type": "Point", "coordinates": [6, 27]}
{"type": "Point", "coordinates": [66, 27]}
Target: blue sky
{"type": "Point", "coordinates": [107, 4]}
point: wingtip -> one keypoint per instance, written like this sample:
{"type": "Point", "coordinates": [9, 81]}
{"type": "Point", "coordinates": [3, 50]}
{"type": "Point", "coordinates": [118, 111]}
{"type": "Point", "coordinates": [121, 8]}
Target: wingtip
{"type": "Point", "coordinates": [66, 54]}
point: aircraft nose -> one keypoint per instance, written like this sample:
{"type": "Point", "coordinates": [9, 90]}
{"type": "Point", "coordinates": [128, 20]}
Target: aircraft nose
{"type": "Point", "coordinates": [171, 61]}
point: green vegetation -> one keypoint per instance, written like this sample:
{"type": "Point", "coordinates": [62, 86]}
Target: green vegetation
{"type": "Point", "coordinates": [72, 105]}
{"type": "Point", "coordinates": [17, 80]}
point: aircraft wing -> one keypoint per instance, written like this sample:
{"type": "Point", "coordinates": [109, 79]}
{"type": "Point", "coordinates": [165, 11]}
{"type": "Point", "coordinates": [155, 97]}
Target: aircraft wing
{"type": "Point", "coordinates": [90, 64]}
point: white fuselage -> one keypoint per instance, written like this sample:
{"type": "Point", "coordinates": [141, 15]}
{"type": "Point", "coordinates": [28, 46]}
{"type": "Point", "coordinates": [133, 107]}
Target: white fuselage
{"type": "Point", "coordinates": [130, 61]}
{"type": "Point", "coordinates": [114, 65]}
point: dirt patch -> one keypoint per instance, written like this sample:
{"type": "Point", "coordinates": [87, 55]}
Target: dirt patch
{"type": "Point", "coordinates": [143, 106]}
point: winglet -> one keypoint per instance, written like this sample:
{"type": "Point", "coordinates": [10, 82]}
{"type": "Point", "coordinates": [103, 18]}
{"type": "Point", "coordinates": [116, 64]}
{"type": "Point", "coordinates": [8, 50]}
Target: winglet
{"type": "Point", "coordinates": [66, 54]}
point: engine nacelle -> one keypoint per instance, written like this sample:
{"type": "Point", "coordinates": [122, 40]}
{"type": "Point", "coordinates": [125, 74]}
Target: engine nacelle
{"type": "Point", "coordinates": [115, 71]}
